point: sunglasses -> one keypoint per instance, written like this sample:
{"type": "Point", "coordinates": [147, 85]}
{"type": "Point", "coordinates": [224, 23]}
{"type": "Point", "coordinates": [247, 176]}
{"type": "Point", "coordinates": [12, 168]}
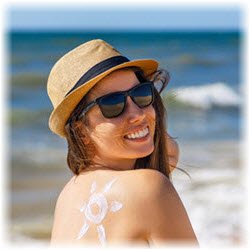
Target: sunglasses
{"type": "Point", "coordinates": [113, 104]}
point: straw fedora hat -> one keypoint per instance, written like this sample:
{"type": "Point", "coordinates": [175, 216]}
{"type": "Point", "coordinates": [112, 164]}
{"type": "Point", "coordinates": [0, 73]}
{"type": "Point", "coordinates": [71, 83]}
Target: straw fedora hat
{"type": "Point", "coordinates": [78, 71]}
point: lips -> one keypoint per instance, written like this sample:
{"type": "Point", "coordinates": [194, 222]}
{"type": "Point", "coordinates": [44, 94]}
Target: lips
{"type": "Point", "coordinates": [138, 133]}
{"type": "Point", "coordinates": [137, 140]}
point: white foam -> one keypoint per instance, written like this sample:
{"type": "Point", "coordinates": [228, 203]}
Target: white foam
{"type": "Point", "coordinates": [208, 95]}
{"type": "Point", "coordinates": [214, 201]}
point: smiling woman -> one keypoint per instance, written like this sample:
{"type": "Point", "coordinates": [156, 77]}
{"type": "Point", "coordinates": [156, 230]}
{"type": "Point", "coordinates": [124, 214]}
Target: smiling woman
{"type": "Point", "coordinates": [110, 112]}
{"type": "Point", "coordinates": [123, 132]}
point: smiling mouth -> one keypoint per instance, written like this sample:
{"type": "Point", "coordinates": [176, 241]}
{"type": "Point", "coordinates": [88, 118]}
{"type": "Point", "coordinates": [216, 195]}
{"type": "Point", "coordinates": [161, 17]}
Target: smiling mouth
{"type": "Point", "coordinates": [138, 135]}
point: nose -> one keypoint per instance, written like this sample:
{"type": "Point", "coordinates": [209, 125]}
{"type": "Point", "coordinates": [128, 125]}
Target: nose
{"type": "Point", "coordinates": [134, 113]}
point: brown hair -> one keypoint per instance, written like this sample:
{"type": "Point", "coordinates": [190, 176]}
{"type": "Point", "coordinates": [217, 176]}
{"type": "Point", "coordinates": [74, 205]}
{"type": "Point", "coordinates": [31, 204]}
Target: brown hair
{"type": "Point", "coordinates": [81, 149]}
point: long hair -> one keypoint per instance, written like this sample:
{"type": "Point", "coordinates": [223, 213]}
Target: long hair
{"type": "Point", "coordinates": [81, 149]}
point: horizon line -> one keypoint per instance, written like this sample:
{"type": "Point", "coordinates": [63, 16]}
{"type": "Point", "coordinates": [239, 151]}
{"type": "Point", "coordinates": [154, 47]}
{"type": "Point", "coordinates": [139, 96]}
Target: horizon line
{"type": "Point", "coordinates": [101, 30]}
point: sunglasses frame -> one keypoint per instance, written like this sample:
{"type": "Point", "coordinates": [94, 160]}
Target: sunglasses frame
{"type": "Point", "coordinates": [126, 93]}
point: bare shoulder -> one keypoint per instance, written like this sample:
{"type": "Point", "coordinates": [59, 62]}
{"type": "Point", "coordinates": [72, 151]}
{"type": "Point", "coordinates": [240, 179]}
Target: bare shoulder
{"type": "Point", "coordinates": [139, 204]}
{"type": "Point", "coordinates": [151, 186]}
{"type": "Point", "coordinates": [149, 173]}
{"type": "Point", "coordinates": [149, 182]}
{"type": "Point", "coordinates": [162, 211]}
{"type": "Point", "coordinates": [146, 180]}
{"type": "Point", "coordinates": [136, 187]}
{"type": "Point", "coordinates": [156, 189]}
{"type": "Point", "coordinates": [130, 191]}
{"type": "Point", "coordinates": [117, 195]}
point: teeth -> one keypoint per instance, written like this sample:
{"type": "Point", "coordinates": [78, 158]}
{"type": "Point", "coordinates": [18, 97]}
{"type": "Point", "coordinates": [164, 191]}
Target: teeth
{"type": "Point", "coordinates": [139, 134]}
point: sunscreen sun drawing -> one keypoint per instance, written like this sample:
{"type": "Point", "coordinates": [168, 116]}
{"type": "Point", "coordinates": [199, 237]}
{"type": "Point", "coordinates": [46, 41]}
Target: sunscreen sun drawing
{"type": "Point", "coordinates": [99, 200]}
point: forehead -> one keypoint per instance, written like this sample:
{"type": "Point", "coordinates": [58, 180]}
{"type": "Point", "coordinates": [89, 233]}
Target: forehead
{"type": "Point", "coordinates": [117, 81]}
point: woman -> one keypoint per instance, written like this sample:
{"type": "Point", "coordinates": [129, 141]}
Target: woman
{"type": "Point", "coordinates": [109, 110]}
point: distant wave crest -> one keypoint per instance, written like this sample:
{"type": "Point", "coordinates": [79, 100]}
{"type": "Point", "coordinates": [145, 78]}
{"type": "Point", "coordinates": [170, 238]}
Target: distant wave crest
{"type": "Point", "coordinates": [217, 94]}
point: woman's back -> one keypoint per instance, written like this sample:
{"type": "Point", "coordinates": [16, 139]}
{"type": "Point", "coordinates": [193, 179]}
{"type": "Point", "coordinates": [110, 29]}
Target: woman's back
{"type": "Point", "coordinates": [115, 207]}
{"type": "Point", "coordinates": [109, 198]}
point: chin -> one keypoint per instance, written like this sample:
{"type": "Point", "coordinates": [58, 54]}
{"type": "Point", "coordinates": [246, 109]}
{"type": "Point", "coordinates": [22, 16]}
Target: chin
{"type": "Point", "coordinates": [140, 153]}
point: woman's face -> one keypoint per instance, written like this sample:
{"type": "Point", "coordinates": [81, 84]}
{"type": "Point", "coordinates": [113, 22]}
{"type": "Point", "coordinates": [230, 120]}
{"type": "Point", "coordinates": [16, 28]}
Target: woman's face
{"type": "Point", "coordinates": [112, 136]}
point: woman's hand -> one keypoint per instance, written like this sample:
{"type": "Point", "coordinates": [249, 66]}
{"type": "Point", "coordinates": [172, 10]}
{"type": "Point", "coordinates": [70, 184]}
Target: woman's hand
{"type": "Point", "coordinates": [172, 151]}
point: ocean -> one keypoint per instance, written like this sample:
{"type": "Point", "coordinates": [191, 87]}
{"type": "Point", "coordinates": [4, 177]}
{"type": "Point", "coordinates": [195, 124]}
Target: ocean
{"type": "Point", "coordinates": [203, 99]}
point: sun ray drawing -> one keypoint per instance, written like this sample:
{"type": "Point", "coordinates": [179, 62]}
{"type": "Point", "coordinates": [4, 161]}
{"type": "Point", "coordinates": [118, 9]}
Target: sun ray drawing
{"type": "Point", "coordinates": [98, 199]}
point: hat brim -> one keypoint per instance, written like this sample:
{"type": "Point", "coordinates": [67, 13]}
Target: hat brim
{"type": "Point", "coordinates": [61, 113]}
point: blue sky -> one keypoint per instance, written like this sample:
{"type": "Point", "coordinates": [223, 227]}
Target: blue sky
{"type": "Point", "coordinates": [124, 19]}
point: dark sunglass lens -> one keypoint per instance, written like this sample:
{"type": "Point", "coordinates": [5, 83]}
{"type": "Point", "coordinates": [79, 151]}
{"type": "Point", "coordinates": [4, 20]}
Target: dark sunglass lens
{"type": "Point", "coordinates": [143, 95]}
{"type": "Point", "coordinates": [112, 105]}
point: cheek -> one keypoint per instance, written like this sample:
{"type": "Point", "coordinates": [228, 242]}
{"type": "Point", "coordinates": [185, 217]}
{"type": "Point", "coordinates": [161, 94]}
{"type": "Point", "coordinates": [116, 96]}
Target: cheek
{"type": "Point", "coordinates": [107, 134]}
{"type": "Point", "coordinates": [102, 130]}
{"type": "Point", "coordinates": [96, 125]}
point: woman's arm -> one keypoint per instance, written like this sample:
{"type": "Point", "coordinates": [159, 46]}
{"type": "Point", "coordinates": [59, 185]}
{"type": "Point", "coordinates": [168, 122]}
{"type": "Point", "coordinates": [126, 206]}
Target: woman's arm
{"type": "Point", "coordinates": [172, 151]}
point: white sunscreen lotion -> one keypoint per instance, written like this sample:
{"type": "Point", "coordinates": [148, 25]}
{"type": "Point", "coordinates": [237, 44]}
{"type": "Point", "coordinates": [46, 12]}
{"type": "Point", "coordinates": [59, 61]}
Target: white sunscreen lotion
{"type": "Point", "coordinates": [99, 200]}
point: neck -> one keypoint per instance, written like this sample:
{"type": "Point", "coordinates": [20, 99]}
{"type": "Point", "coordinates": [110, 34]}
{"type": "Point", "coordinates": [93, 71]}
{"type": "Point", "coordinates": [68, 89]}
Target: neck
{"type": "Point", "coordinates": [113, 164]}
